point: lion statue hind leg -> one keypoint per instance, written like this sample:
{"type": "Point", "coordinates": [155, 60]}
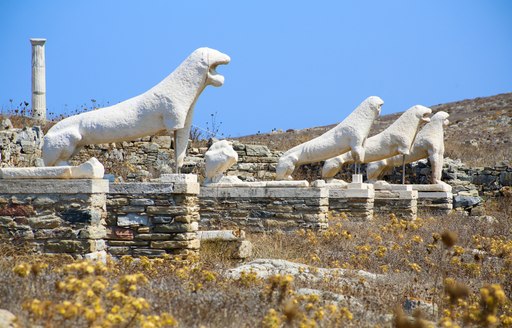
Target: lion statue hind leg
{"type": "Point", "coordinates": [59, 148]}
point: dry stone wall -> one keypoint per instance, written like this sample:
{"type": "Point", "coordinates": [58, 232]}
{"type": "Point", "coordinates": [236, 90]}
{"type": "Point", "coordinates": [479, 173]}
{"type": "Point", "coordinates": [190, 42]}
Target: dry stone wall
{"type": "Point", "coordinates": [19, 147]}
{"type": "Point", "coordinates": [152, 219]}
{"type": "Point", "coordinates": [402, 203]}
{"type": "Point", "coordinates": [264, 208]}
{"type": "Point", "coordinates": [54, 216]}
{"type": "Point", "coordinates": [149, 157]}
{"type": "Point", "coordinates": [356, 204]}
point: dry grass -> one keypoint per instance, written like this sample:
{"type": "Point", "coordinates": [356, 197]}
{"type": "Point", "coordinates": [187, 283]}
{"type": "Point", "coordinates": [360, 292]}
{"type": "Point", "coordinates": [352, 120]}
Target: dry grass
{"type": "Point", "coordinates": [415, 258]}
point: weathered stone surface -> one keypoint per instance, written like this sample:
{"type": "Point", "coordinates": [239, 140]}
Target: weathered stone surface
{"type": "Point", "coordinates": [161, 210]}
{"type": "Point", "coordinates": [176, 227]}
{"type": "Point", "coordinates": [189, 244]}
{"type": "Point", "coordinates": [132, 219]}
{"type": "Point", "coordinates": [484, 179]}
{"type": "Point", "coordinates": [263, 208]}
{"type": "Point", "coordinates": [119, 250]}
{"type": "Point", "coordinates": [128, 243]}
{"type": "Point", "coordinates": [93, 232]}
{"type": "Point", "coordinates": [162, 220]}
{"type": "Point", "coordinates": [148, 252]}
{"type": "Point", "coordinates": [78, 216]}
{"type": "Point", "coordinates": [157, 217]}
{"type": "Point", "coordinates": [16, 210]}
{"type": "Point", "coordinates": [257, 150]}
{"type": "Point", "coordinates": [154, 236]}
{"type": "Point", "coordinates": [7, 319]}
{"type": "Point", "coordinates": [185, 236]}
{"type": "Point", "coordinates": [141, 202]}
{"type": "Point", "coordinates": [506, 178]}
{"type": "Point", "coordinates": [466, 201]}
{"type": "Point", "coordinates": [265, 268]}
{"type": "Point", "coordinates": [70, 246]}
{"type": "Point", "coordinates": [45, 200]}
{"type": "Point", "coordinates": [119, 233]}
{"type": "Point", "coordinates": [141, 188]}
{"type": "Point", "coordinates": [51, 186]}
{"type": "Point", "coordinates": [92, 169]}
{"type": "Point", "coordinates": [118, 201]}
{"type": "Point", "coordinates": [45, 222]}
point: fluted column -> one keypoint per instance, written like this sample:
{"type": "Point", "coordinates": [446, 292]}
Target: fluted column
{"type": "Point", "coordinates": [38, 80]}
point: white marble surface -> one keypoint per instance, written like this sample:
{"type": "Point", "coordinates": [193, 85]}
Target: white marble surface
{"type": "Point", "coordinates": [396, 139]}
{"type": "Point", "coordinates": [218, 159]}
{"type": "Point", "coordinates": [429, 143]}
{"type": "Point", "coordinates": [168, 107]}
{"type": "Point", "coordinates": [348, 135]}
{"type": "Point", "coordinates": [92, 169]}
{"type": "Point", "coordinates": [38, 80]}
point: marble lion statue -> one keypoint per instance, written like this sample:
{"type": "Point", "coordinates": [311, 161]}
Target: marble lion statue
{"type": "Point", "coordinates": [396, 139]}
{"type": "Point", "coordinates": [218, 159]}
{"type": "Point", "coordinates": [348, 135]}
{"type": "Point", "coordinates": [167, 107]}
{"type": "Point", "coordinates": [428, 143]}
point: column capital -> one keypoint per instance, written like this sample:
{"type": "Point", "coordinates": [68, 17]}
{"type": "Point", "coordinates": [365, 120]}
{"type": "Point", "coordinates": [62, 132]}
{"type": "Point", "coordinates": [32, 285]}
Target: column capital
{"type": "Point", "coordinates": [37, 42]}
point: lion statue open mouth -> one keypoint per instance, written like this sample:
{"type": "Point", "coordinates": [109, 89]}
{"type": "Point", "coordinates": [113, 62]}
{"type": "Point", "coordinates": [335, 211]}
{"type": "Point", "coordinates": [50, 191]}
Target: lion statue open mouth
{"type": "Point", "coordinates": [395, 139]}
{"type": "Point", "coordinates": [168, 107]}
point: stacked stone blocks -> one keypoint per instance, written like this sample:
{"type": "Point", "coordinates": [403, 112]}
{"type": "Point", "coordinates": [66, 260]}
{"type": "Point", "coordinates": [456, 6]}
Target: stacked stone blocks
{"type": "Point", "coordinates": [153, 219]}
{"type": "Point", "coordinates": [356, 203]}
{"type": "Point", "coordinates": [399, 200]}
{"type": "Point", "coordinates": [259, 209]}
{"type": "Point", "coordinates": [54, 216]}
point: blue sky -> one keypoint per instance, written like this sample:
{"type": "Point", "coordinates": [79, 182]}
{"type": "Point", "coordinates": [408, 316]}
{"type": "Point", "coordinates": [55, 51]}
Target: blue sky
{"type": "Point", "coordinates": [295, 64]}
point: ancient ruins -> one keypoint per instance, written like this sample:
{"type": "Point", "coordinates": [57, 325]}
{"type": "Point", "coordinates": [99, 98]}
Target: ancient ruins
{"type": "Point", "coordinates": [78, 210]}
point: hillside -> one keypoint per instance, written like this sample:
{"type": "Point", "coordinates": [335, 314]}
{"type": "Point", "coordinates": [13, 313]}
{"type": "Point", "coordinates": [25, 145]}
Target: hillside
{"type": "Point", "coordinates": [480, 130]}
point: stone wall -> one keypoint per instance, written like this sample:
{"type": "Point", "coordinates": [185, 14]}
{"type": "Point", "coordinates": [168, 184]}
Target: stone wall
{"type": "Point", "coordinates": [402, 202]}
{"type": "Point", "coordinates": [149, 157]}
{"type": "Point", "coordinates": [54, 216]}
{"type": "Point", "coordinates": [255, 163]}
{"type": "Point", "coordinates": [19, 147]}
{"type": "Point", "coordinates": [153, 219]}
{"type": "Point", "coordinates": [486, 180]}
{"type": "Point", "coordinates": [435, 202]}
{"type": "Point", "coordinates": [356, 204]}
{"type": "Point", "coordinates": [263, 208]}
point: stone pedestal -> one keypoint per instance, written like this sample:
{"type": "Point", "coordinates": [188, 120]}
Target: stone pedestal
{"type": "Point", "coordinates": [269, 207]}
{"type": "Point", "coordinates": [356, 200]}
{"type": "Point", "coordinates": [434, 198]}
{"type": "Point", "coordinates": [38, 80]}
{"type": "Point", "coordinates": [54, 216]}
{"type": "Point", "coordinates": [153, 219]}
{"type": "Point", "coordinates": [398, 199]}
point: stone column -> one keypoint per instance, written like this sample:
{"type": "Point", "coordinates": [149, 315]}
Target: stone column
{"type": "Point", "coordinates": [38, 80]}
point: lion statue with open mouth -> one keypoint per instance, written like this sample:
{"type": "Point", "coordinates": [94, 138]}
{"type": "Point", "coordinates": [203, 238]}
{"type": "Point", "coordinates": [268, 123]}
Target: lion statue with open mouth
{"type": "Point", "coordinates": [168, 107]}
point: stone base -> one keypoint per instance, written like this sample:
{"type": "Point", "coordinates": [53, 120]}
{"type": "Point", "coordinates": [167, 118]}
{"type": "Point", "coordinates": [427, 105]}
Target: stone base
{"type": "Point", "coordinates": [436, 202]}
{"type": "Point", "coordinates": [433, 198]}
{"type": "Point", "coordinates": [153, 219]}
{"type": "Point", "coordinates": [54, 215]}
{"type": "Point", "coordinates": [401, 200]}
{"type": "Point", "coordinates": [231, 243]}
{"type": "Point", "coordinates": [258, 209]}
{"type": "Point", "coordinates": [356, 203]}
